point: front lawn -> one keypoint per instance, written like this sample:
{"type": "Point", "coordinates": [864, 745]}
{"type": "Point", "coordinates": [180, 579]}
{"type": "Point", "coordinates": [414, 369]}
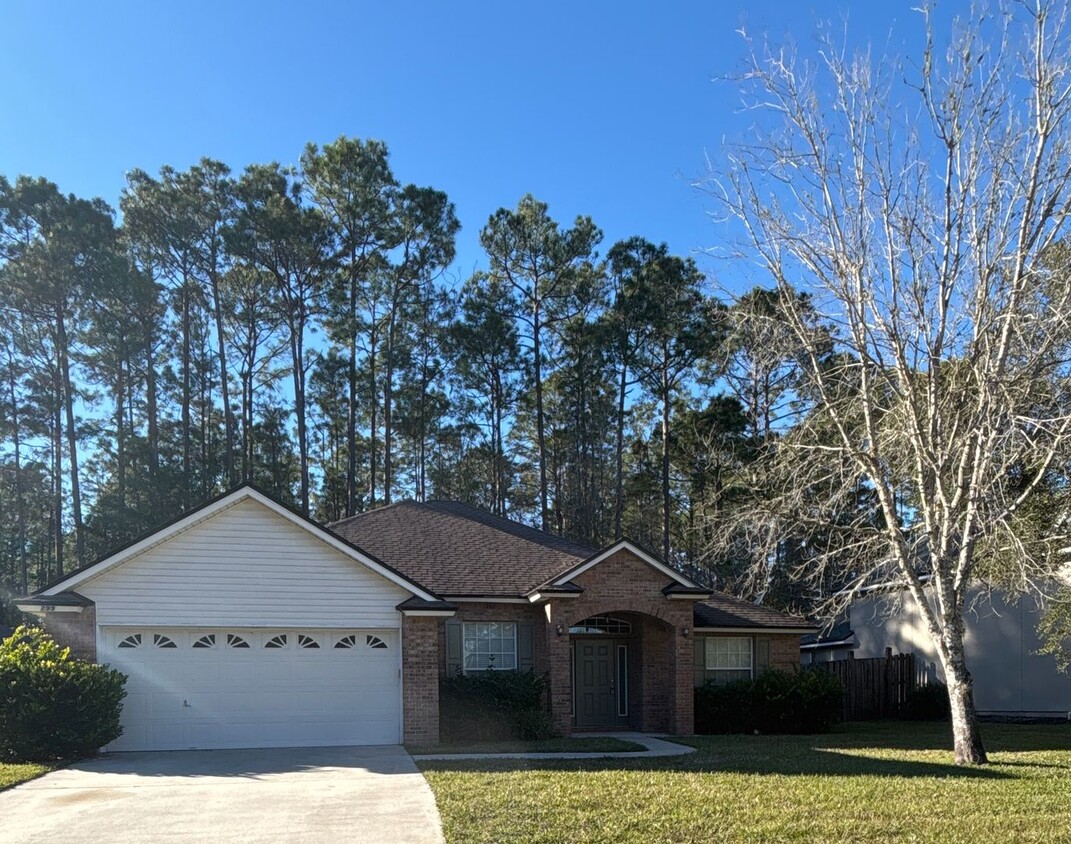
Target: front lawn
{"type": "Point", "coordinates": [13, 774]}
{"type": "Point", "coordinates": [863, 783]}
{"type": "Point", "coordinates": [554, 745]}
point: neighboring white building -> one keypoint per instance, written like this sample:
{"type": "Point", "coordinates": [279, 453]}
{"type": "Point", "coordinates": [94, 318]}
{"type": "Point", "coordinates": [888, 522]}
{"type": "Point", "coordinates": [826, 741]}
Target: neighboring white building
{"type": "Point", "coordinates": [1010, 677]}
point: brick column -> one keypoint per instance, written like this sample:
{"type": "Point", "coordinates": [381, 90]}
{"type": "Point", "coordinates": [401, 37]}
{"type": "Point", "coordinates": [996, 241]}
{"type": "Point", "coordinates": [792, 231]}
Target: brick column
{"type": "Point", "coordinates": [561, 683]}
{"type": "Point", "coordinates": [75, 630]}
{"type": "Point", "coordinates": [682, 682]}
{"type": "Point", "coordinates": [420, 679]}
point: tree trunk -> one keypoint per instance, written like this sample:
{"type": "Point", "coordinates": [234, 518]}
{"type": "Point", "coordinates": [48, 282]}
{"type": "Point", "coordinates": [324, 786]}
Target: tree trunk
{"type": "Point", "coordinates": [297, 351]}
{"type": "Point", "coordinates": [665, 467]}
{"type": "Point", "coordinates": [150, 403]}
{"type": "Point", "coordinates": [120, 429]}
{"type": "Point", "coordinates": [72, 435]}
{"type": "Point", "coordinates": [388, 407]}
{"type": "Point", "coordinates": [186, 390]}
{"type": "Point", "coordinates": [966, 735]}
{"type": "Point", "coordinates": [57, 469]}
{"type": "Point", "coordinates": [20, 507]}
{"type": "Point", "coordinates": [537, 369]}
{"type": "Point", "coordinates": [619, 457]}
{"type": "Point", "coordinates": [351, 410]}
{"type": "Point", "coordinates": [224, 388]}
{"type": "Point", "coordinates": [373, 427]}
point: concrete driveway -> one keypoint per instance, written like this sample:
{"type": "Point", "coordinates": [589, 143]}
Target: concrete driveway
{"type": "Point", "coordinates": [353, 794]}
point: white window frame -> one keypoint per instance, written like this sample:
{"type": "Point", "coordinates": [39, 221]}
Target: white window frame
{"type": "Point", "coordinates": [466, 626]}
{"type": "Point", "coordinates": [710, 656]}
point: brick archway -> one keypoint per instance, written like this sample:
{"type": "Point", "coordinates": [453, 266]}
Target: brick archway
{"type": "Point", "coordinates": [625, 585]}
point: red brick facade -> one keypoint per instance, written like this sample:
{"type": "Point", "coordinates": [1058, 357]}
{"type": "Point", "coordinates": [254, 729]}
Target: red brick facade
{"type": "Point", "coordinates": [623, 584]}
{"type": "Point", "coordinates": [76, 630]}
{"type": "Point", "coordinates": [420, 679]}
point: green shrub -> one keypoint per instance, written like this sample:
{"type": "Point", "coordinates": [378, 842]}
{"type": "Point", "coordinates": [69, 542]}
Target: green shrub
{"type": "Point", "coordinates": [927, 703]}
{"type": "Point", "coordinates": [494, 705]}
{"type": "Point", "coordinates": [54, 706]}
{"type": "Point", "coordinates": [773, 702]}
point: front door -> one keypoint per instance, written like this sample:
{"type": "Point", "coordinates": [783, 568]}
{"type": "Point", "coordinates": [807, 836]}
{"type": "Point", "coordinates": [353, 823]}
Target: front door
{"type": "Point", "coordinates": [599, 684]}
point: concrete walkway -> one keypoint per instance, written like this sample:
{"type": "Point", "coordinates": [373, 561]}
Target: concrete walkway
{"type": "Point", "coordinates": [655, 747]}
{"type": "Point", "coordinates": [352, 794]}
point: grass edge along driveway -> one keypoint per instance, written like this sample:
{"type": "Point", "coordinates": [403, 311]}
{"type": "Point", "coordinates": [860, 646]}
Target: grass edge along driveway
{"type": "Point", "coordinates": [15, 773]}
{"type": "Point", "coordinates": [889, 781]}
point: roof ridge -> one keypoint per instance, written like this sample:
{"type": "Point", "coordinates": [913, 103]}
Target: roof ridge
{"type": "Point", "coordinates": [513, 527]}
{"type": "Point", "coordinates": [380, 509]}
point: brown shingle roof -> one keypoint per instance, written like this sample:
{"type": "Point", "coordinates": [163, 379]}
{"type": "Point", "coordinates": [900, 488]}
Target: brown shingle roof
{"type": "Point", "coordinates": [457, 550]}
{"type": "Point", "coordinates": [454, 549]}
{"type": "Point", "coordinates": [721, 610]}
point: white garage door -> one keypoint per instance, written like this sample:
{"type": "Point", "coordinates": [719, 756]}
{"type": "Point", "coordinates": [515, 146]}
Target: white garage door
{"type": "Point", "coordinates": [215, 688]}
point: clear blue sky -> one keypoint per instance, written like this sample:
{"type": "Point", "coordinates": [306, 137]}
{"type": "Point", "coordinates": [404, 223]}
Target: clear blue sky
{"type": "Point", "coordinates": [599, 108]}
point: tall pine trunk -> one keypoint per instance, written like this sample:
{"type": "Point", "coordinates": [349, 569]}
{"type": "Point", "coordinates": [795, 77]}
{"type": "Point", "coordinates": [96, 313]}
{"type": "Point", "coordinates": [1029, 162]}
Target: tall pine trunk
{"type": "Point", "coordinates": [187, 460]}
{"type": "Point", "coordinates": [297, 351]}
{"type": "Point", "coordinates": [665, 464]}
{"type": "Point", "coordinates": [541, 442]}
{"type": "Point", "coordinates": [20, 506]}
{"type": "Point", "coordinates": [224, 386]}
{"type": "Point", "coordinates": [351, 403]}
{"type": "Point", "coordinates": [619, 455]}
{"type": "Point", "coordinates": [150, 403]}
{"type": "Point", "coordinates": [63, 353]}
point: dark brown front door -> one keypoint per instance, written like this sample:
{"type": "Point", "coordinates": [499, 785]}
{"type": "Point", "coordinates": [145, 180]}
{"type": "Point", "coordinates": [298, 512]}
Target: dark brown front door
{"type": "Point", "coordinates": [597, 684]}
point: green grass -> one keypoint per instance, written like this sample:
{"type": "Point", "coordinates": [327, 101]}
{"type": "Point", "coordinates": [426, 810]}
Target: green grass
{"type": "Point", "coordinates": [13, 774]}
{"type": "Point", "coordinates": [556, 745]}
{"type": "Point", "coordinates": [861, 783]}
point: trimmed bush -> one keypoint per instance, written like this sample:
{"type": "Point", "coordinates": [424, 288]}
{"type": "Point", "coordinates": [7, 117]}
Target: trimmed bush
{"type": "Point", "coordinates": [494, 705]}
{"type": "Point", "coordinates": [927, 703]}
{"type": "Point", "coordinates": [773, 702]}
{"type": "Point", "coordinates": [54, 706]}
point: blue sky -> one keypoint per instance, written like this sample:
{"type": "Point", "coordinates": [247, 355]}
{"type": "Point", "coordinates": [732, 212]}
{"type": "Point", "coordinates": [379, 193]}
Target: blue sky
{"type": "Point", "coordinates": [600, 108]}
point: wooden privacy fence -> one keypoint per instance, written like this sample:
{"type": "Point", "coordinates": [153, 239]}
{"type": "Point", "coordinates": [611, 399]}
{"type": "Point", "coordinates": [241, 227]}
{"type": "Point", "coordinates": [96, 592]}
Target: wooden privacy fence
{"type": "Point", "coordinates": [874, 688]}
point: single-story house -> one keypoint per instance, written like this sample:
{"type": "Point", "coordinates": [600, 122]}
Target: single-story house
{"type": "Point", "coordinates": [245, 624]}
{"type": "Point", "coordinates": [1000, 636]}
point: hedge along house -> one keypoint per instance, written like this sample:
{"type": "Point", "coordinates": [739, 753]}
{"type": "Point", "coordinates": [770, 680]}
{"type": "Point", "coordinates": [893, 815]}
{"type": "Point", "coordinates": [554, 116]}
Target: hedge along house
{"type": "Point", "coordinates": [244, 624]}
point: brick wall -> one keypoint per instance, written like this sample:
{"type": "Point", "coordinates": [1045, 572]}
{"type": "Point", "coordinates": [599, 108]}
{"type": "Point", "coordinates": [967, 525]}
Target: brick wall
{"type": "Point", "coordinates": [623, 584]}
{"type": "Point", "coordinates": [785, 651]}
{"type": "Point", "coordinates": [420, 679]}
{"type": "Point", "coordinates": [501, 612]}
{"type": "Point", "coordinates": [76, 630]}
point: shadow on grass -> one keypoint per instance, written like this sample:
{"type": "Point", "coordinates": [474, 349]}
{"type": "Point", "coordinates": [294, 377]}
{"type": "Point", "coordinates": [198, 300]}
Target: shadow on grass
{"type": "Point", "coordinates": [812, 762]}
{"type": "Point", "coordinates": [879, 749]}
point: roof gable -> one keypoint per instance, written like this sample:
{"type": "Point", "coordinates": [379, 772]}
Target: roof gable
{"type": "Point", "coordinates": [219, 505]}
{"type": "Point", "coordinates": [625, 545]}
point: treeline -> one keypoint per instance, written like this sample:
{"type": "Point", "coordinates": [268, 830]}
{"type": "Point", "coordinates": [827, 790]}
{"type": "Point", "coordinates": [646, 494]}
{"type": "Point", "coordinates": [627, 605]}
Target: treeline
{"type": "Point", "coordinates": [295, 327]}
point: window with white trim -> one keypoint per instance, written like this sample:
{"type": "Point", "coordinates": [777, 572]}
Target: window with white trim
{"type": "Point", "coordinates": [489, 645]}
{"type": "Point", "coordinates": [729, 658]}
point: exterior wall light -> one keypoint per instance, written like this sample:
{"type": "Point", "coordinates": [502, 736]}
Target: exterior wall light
{"type": "Point", "coordinates": [684, 632]}
{"type": "Point", "coordinates": [561, 630]}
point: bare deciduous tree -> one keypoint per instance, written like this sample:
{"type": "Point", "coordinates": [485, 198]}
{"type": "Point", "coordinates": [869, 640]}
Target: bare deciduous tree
{"type": "Point", "coordinates": [920, 207]}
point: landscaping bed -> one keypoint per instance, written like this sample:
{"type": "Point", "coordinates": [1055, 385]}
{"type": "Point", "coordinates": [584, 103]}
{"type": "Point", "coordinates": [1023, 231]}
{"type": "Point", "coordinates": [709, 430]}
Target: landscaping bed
{"type": "Point", "coordinates": [890, 781]}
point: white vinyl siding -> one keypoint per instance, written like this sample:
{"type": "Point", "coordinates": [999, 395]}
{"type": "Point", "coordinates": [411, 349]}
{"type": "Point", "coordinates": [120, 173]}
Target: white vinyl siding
{"type": "Point", "coordinates": [249, 567]}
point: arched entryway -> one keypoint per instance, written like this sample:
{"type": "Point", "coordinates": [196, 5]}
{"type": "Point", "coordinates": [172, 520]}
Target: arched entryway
{"type": "Point", "coordinates": [616, 660]}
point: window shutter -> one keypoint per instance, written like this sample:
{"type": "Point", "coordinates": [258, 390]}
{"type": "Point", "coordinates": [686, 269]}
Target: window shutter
{"type": "Point", "coordinates": [453, 648]}
{"type": "Point", "coordinates": [699, 661]}
{"type": "Point", "coordinates": [525, 646]}
{"type": "Point", "coordinates": [762, 654]}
